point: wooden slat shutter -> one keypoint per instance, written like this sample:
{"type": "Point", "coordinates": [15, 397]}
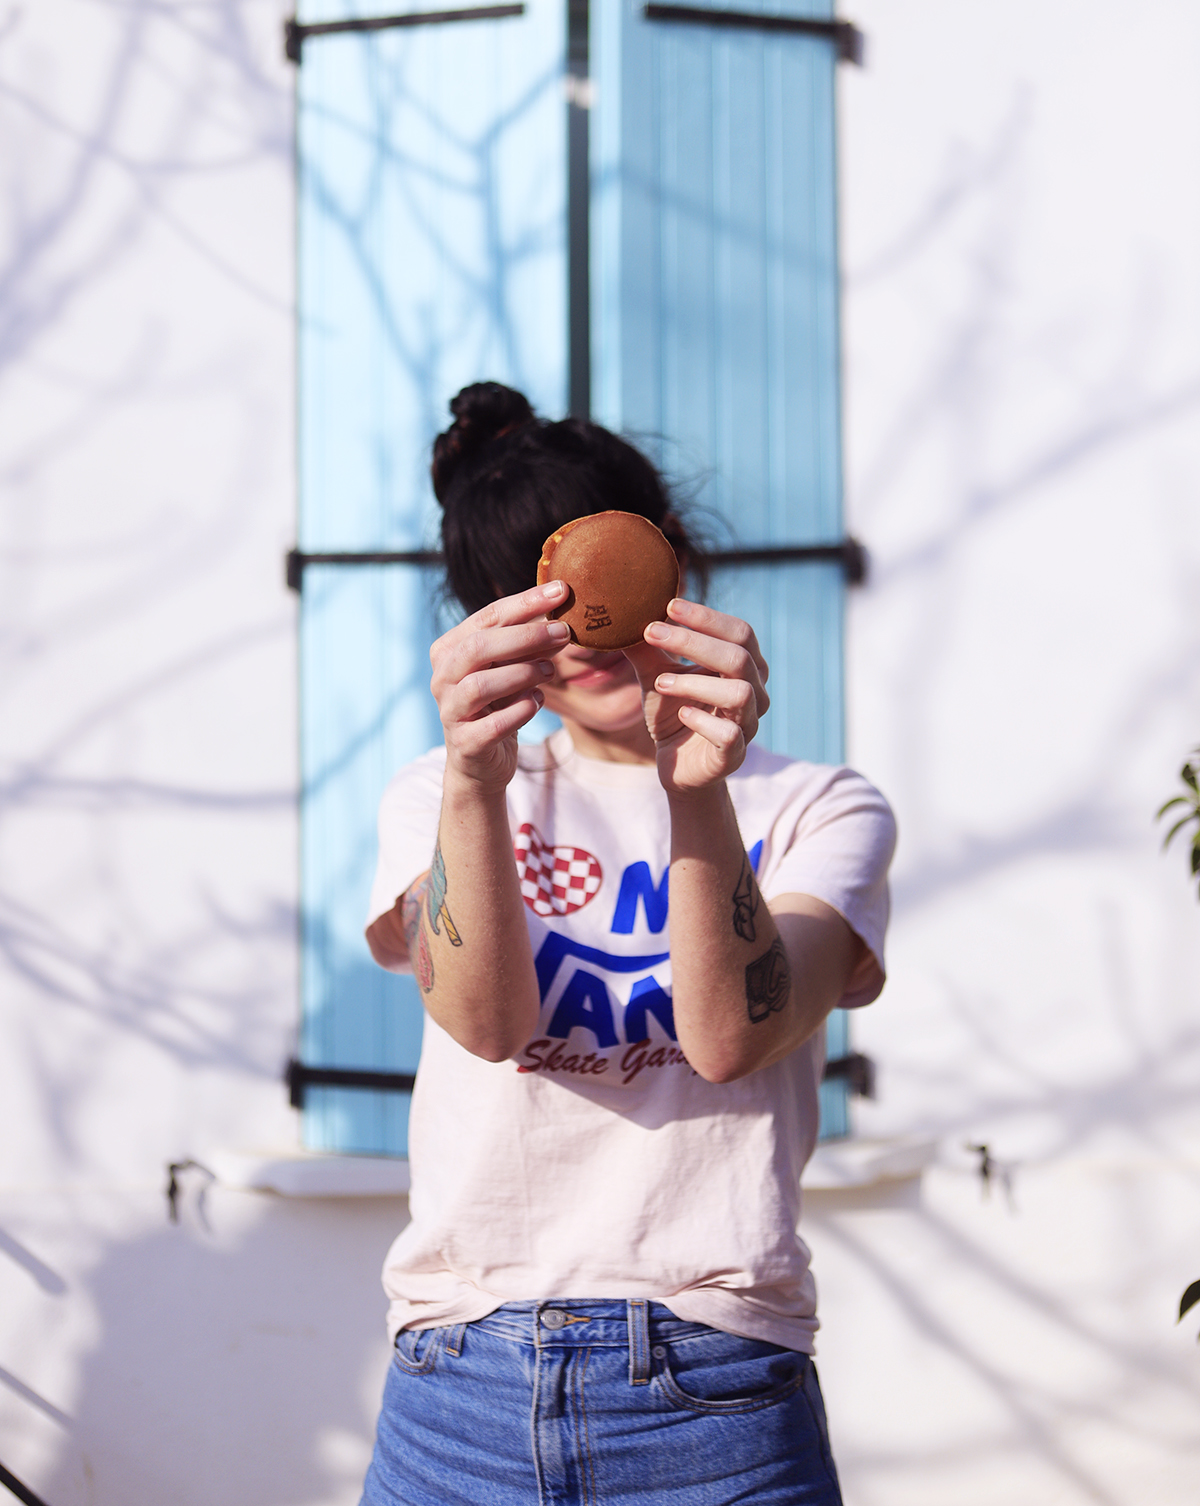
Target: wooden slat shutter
{"type": "Point", "coordinates": [715, 300]}
{"type": "Point", "coordinates": [431, 229]}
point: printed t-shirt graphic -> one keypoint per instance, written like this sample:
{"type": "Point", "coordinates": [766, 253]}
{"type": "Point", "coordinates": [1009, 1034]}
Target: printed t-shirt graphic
{"type": "Point", "coordinates": [698, 1182]}
{"type": "Point", "coordinates": [597, 1002]}
{"type": "Point", "coordinates": [554, 880]}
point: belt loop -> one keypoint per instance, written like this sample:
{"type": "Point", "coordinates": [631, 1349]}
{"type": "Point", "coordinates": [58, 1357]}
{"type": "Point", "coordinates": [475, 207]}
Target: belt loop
{"type": "Point", "coordinates": [454, 1339]}
{"type": "Point", "coordinates": [639, 1341]}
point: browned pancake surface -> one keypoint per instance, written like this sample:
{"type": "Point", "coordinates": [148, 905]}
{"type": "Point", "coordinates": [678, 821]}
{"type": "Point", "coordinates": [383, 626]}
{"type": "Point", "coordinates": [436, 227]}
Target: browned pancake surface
{"type": "Point", "coordinates": [621, 573]}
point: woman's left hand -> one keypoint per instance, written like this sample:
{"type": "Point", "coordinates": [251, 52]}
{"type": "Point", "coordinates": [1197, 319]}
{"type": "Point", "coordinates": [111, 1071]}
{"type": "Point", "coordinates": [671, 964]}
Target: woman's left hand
{"type": "Point", "coordinates": [701, 715]}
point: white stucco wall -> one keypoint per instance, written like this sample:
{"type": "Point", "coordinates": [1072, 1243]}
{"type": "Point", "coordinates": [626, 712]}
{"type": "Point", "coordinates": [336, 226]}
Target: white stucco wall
{"type": "Point", "coordinates": [147, 803]}
{"type": "Point", "coordinates": [1021, 243]}
{"type": "Point", "coordinates": [1022, 251]}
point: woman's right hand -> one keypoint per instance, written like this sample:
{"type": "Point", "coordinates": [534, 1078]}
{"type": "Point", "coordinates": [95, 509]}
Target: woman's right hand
{"type": "Point", "coordinates": [486, 677]}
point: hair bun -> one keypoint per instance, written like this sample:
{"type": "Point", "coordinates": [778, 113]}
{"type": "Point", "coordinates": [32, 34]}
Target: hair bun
{"type": "Point", "coordinates": [482, 412]}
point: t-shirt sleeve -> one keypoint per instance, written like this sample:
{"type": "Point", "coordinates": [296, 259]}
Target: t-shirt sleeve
{"type": "Point", "coordinates": [408, 826]}
{"type": "Point", "coordinates": [835, 843]}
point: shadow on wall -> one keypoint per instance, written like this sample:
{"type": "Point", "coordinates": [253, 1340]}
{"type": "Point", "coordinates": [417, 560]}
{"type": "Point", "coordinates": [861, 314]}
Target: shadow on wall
{"type": "Point", "coordinates": [1026, 1362]}
{"type": "Point", "coordinates": [244, 1370]}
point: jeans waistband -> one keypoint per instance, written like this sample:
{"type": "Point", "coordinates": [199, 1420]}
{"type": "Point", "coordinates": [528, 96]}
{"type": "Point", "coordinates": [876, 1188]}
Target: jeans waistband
{"type": "Point", "coordinates": [587, 1323]}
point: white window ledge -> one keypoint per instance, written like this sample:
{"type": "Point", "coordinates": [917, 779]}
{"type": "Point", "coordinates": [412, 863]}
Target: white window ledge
{"type": "Point", "coordinates": [310, 1173]}
{"type": "Point", "coordinates": [837, 1165]}
{"type": "Point", "coordinates": [842, 1164]}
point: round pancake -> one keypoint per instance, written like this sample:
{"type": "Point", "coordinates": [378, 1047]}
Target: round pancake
{"type": "Point", "coordinates": [620, 572]}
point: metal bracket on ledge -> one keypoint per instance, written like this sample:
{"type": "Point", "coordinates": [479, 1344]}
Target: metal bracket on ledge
{"type": "Point", "coordinates": [856, 1070]}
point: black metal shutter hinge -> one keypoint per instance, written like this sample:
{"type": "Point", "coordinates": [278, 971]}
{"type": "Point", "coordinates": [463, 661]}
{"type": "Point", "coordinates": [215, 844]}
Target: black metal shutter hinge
{"type": "Point", "coordinates": [294, 32]}
{"type": "Point", "coordinates": [299, 1078]}
{"type": "Point", "coordinates": [856, 1071]}
{"type": "Point", "coordinates": [850, 554]}
{"type": "Point", "coordinates": [846, 37]}
{"type": "Point", "coordinates": [20, 1490]}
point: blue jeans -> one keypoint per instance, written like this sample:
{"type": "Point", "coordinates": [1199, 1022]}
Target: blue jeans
{"type": "Point", "coordinates": [587, 1403]}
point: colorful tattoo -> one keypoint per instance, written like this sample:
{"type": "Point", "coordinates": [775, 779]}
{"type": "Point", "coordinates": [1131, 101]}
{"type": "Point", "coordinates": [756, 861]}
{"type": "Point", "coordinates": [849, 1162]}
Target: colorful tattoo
{"type": "Point", "coordinates": [410, 910]}
{"type": "Point", "coordinates": [424, 963]}
{"type": "Point", "coordinates": [745, 902]}
{"type": "Point", "coordinates": [437, 899]}
{"type": "Point", "coordinates": [768, 983]}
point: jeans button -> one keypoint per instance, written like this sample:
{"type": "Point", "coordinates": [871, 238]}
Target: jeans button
{"type": "Point", "coordinates": [659, 1352]}
{"type": "Point", "coordinates": [553, 1317]}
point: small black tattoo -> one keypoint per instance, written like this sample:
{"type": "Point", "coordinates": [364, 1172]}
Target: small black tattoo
{"type": "Point", "coordinates": [768, 983]}
{"type": "Point", "coordinates": [745, 901]}
{"type": "Point", "coordinates": [437, 899]}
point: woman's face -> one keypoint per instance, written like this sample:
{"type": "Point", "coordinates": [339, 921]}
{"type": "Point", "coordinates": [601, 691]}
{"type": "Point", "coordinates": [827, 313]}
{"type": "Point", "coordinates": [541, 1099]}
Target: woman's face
{"type": "Point", "coordinates": [599, 692]}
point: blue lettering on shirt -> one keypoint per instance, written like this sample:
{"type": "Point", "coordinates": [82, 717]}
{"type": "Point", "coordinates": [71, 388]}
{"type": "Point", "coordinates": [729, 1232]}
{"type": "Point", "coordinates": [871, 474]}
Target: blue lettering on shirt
{"type": "Point", "coordinates": [648, 997]}
{"type": "Point", "coordinates": [556, 947]}
{"type": "Point", "coordinates": [584, 1002]}
{"type": "Point", "coordinates": [637, 883]}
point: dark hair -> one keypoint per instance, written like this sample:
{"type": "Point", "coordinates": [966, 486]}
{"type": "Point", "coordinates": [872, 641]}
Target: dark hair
{"type": "Point", "coordinates": [507, 479]}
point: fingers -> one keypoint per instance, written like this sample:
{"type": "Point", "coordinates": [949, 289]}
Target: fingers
{"type": "Point", "coordinates": [484, 641]}
{"type": "Point", "coordinates": [734, 700]}
{"type": "Point", "coordinates": [648, 661]}
{"type": "Point", "coordinates": [491, 688]}
{"type": "Point", "coordinates": [726, 736]}
{"type": "Point", "coordinates": [724, 645]}
{"type": "Point", "coordinates": [470, 739]}
{"type": "Point", "coordinates": [487, 672]}
{"type": "Point", "coordinates": [515, 627]}
{"type": "Point", "coordinates": [702, 619]}
{"type": "Point", "coordinates": [522, 607]}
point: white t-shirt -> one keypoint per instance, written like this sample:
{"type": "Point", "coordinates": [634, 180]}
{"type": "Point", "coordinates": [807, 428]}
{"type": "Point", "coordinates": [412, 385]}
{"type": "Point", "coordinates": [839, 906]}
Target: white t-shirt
{"type": "Point", "coordinates": [596, 1162]}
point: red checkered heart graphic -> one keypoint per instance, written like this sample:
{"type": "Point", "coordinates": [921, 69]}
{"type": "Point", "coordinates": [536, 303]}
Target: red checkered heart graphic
{"type": "Point", "coordinates": [554, 880]}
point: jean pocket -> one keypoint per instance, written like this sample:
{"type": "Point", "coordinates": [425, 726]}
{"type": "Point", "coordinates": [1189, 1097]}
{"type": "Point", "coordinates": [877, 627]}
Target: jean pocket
{"type": "Point", "coordinates": [416, 1349]}
{"type": "Point", "coordinates": [734, 1375]}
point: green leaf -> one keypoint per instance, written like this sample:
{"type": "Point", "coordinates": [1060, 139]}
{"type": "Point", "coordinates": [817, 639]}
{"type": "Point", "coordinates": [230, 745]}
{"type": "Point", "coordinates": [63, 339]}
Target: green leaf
{"type": "Point", "coordinates": [1195, 857]}
{"type": "Point", "coordinates": [1163, 809]}
{"type": "Point", "coordinates": [1183, 821]}
{"type": "Point", "coordinates": [1189, 1299]}
{"type": "Point", "coordinates": [1188, 775]}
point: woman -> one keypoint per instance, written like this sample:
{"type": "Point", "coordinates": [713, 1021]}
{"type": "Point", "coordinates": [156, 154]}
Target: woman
{"type": "Point", "coordinates": [602, 1296]}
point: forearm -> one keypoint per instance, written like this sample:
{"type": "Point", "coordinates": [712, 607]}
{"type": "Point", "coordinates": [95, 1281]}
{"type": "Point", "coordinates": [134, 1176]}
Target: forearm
{"type": "Point", "coordinates": [468, 940]}
{"type": "Point", "coordinates": [386, 938]}
{"type": "Point", "coordinates": [738, 1002]}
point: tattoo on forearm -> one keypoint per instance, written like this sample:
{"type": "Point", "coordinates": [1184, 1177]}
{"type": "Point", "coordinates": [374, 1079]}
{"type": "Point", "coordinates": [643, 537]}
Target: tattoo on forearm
{"type": "Point", "coordinates": [424, 963]}
{"type": "Point", "coordinates": [768, 983]}
{"type": "Point", "coordinates": [410, 910]}
{"type": "Point", "coordinates": [745, 901]}
{"type": "Point", "coordinates": [437, 899]}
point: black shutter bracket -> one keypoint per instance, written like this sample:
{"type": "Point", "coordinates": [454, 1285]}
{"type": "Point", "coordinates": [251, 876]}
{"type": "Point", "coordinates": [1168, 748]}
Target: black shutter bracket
{"type": "Point", "coordinates": [856, 1070]}
{"type": "Point", "coordinates": [849, 553]}
{"type": "Point", "coordinates": [295, 32]}
{"type": "Point", "coordinates": [846, 37]}
{"type": "Point", "coordinates": [300, 1078]}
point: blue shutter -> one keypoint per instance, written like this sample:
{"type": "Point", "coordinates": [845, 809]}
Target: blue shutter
{"type": "Point", "coordinates": [715, 322]}
{"type": "Point", "coordinates": [431, 229]}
